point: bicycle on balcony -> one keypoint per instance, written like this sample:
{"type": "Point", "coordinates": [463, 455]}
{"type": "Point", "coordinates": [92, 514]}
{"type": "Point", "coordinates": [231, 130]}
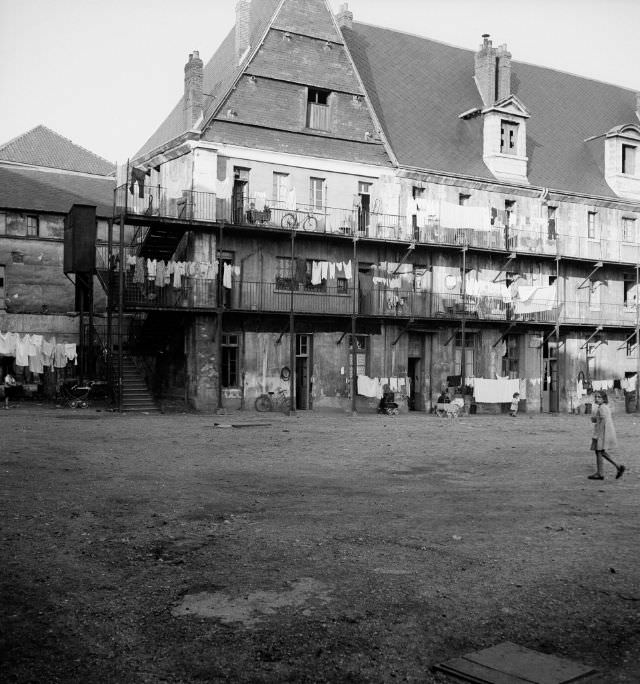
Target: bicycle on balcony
{"type": "Point", "coordinates": [273, 401]}
{"type": "Point", "coordinates": [290, 221]}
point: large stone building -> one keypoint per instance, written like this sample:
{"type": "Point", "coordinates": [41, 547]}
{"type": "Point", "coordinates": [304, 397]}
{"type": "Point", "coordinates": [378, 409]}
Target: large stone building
{"type": "Point", "coordinates": [42, 175]}
{"type": "Point", "coordinates": [334, 204]}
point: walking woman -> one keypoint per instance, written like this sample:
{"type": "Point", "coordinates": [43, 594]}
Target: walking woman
{"type": "Point", "coordinates": [604, 436]}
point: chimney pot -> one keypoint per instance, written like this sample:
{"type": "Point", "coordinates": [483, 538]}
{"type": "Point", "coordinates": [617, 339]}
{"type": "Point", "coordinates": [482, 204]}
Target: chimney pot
{"type": "Point", "coordinates": [193, 75]}
{"type": "Point", "coordinates": [345, 17]}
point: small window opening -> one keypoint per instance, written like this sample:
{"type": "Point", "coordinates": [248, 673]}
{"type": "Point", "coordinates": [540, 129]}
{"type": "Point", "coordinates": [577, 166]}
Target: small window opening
{"type": "Point", "coordinates": [629, 160]}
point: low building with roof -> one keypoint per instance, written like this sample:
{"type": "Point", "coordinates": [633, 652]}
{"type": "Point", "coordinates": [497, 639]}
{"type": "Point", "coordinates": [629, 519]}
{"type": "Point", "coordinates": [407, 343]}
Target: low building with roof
{"type": "Point", "coordinates": [42, 175]}
{"type": "Point", "coordinates": [358, 207]}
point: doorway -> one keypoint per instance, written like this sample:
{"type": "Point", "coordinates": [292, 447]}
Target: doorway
{"type": "Point", "coordinates": [364, 207]}
{"type": "Point", "coordinates": [303, 372]}
{"type": "Point", "coordinates": [550, 394]}
{"type": "Point", "coordinates": [240, 194]}
{"type": "Point", "coordinates": [414, 368]}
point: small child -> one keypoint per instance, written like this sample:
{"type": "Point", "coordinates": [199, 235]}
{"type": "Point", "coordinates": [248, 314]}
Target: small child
{"type": "Point", "coordinates": [513, 410]}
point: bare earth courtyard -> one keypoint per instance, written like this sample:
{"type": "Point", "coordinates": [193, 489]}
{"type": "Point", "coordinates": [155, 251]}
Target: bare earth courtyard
{"type": "Point", "coordinates": [317, 548]}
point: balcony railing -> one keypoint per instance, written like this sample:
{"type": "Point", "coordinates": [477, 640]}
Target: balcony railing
{"type": "Point", "coordinates": [285, 295]}
{"type": "Point", "coordinates": [526, 235]}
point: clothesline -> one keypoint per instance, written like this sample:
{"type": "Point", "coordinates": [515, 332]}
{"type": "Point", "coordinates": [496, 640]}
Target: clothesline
{"type": "Point", "coordinates": [163, 273]}
{"type": "Point", "coordinates": [35, 352]}
{"type": "Point", "coordinates": [323, 270]}
{"type": "Point", "coordinates": [374, 387]}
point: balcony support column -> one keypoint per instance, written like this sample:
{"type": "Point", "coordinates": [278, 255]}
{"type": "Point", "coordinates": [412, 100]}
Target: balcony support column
{"type": "Point", "coordinates": [219, 320]}
{"type": "Point", "coordinates": [638, 338]}
{"type": "Point", "coordinates": [292, 331]}
{"type": "Point", "coordinates": [120, 307]}
{"type": "Point", "coordinates": [354, 313]}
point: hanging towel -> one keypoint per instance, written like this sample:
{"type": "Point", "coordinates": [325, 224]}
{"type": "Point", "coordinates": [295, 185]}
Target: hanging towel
{"type": "Point", "coordinates": [226, 276]}
{"type": "Point", "coordinates": [347, 270]}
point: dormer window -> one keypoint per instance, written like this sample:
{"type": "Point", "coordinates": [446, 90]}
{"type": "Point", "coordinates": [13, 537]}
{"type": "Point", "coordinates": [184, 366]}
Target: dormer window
{"type": "Point", "coordinates": [629, 160]}
{"type": "Point", "coordinates": [504, 146]}
{"type": "Point", "coordinates": [318, 109]}
{"type": "Point", "coordinates": [508, 137]}
{"type": "Point", "coordinates": [621, 161]}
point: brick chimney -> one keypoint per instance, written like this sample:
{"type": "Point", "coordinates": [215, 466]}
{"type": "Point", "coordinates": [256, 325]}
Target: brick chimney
{"type": "Point", "coordinates": [345, 17]}
{"type": "Point", "coordinates": [193, 70]}
{"type": "Point", "coordinates": [485, 71]}
{"type": "Point", "coordinates": [243, 27]}
{"type": "Point", "coordinates": [503, 75]}
{"type": "Point", "coordinates": [492, 71]}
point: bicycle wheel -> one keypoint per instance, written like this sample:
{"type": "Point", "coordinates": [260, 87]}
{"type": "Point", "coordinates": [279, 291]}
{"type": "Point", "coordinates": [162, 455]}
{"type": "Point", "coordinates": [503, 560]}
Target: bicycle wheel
{"type": "Point", "coordinates": [289, 221]}
{"type": "Point", "coordinates": [310, 223]}
{"type": "Point", "coordinates": [263, 403]}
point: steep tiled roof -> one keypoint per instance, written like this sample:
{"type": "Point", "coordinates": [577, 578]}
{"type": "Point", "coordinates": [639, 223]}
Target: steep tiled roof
{"type": "Point", "coordinates": [31, 189]}
{"type": "Point", "coordinates": [219, 74]}
{"type": "Point", "coordinates": [419, 87]}
{"type": "Point", "coordinates": [43, 147]}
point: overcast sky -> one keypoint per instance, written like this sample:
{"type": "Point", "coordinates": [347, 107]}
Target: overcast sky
{"type": "Point", "coordinates": [105, 73]}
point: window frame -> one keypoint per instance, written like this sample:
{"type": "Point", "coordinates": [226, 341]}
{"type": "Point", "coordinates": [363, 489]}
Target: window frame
{"type": "Point", "coordinates": [626, 222]}
{"type": "Point", "coordinates": [32, 219]}
{"type": "Point", "coordinates": [317, 112]}
{"type": "Point", "coordinates": [470, 345]}
{"type": "Point", "coordinates": [629, 158]}
{"type": "Point", "coordinates": [278, 186]}
{"type": "Point", "coordinates": [509, 129]}
{"type": "Point", "coordinates": [313, 204]}
{"type": "Point", "coordinates": [592, 225]}
{"type": "Point", "coordinates": [363, 346]}
{"type": "Point", "coordinates": [230, 363]}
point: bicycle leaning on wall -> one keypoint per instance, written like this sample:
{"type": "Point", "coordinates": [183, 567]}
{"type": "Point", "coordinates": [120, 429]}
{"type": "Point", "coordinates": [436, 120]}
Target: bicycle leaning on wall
{"type": "Point", "coordinates": [273, 401]}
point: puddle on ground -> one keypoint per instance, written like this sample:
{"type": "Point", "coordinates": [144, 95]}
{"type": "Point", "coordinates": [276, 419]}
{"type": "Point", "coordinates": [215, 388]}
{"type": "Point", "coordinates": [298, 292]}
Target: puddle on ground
{"type": "Point", "coordinates": [251, 608]}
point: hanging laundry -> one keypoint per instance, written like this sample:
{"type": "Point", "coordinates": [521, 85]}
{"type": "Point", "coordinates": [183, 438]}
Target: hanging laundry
{"type": "Point", "coordinates": [332, 270]}
{"type": "Point", "coordinates": [324, 270]}
{"type": "Point", "coordinates": [70, 352]}
{"type": "Point", "coordinates": [226, 276]}
{"type": "Point", "coordinates": [60, 356]}
{"type": "Point", "coordinates": [291, 201]}
{"type": "Point", "coordinates": [151, 269]}
{"type": "Point", "coordinates": [159, 280]}
{"type": "Point", "coordinates": [7, 344]}
{"type": "Point", "coordinates": [347, 270]}
{"type": "Point", "coordinates": [316, 273]}
{"type": "Point", "coordinates": [261, 201]}
{"type": "Point", "coordinates": [138, 274]}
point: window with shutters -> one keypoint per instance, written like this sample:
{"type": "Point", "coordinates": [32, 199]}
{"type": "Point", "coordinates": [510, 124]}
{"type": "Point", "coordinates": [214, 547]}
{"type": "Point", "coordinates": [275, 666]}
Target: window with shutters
{"type": "Point", "coordinates": [508, 137]}
{"type": "Point", "coordinates": [318, 109]}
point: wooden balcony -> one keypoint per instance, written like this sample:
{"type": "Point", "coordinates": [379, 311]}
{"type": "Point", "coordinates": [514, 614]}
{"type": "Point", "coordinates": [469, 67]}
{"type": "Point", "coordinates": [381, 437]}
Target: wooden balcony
{"type": "Point", "coordinates": [525, 237]}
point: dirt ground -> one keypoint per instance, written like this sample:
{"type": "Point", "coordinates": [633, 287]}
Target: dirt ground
{"type": "Point", "coordinates": [316, 548]}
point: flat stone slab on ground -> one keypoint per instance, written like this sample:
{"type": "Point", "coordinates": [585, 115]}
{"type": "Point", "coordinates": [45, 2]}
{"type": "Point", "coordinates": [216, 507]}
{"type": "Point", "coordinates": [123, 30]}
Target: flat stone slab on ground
{"type": "Point", "coordinates": [509, 663]}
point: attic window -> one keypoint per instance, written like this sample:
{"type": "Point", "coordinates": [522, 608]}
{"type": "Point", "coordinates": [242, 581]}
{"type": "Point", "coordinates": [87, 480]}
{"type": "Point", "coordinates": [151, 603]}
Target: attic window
{"type": "Point", "coordinates": [318, 109]}
{"type": "Point", "coordinates": [508, 137]}
{"type": "Point", "coordinates": [629, 160]}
